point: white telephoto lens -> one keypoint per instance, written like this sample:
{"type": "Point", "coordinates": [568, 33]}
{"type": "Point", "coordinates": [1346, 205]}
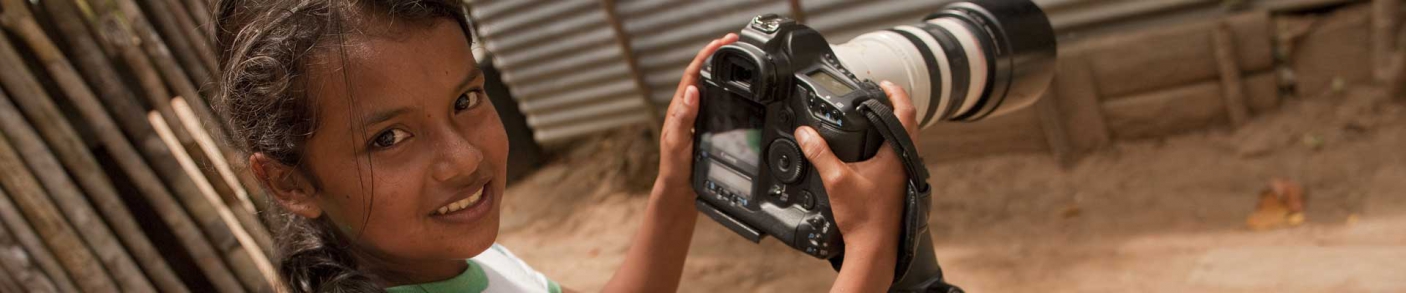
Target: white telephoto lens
{"type": "Point", "coordinates": [887, 55]}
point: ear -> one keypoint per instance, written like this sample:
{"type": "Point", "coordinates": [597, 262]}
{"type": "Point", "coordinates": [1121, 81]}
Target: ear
{"type": "Point", "coordinates": [290, 187]}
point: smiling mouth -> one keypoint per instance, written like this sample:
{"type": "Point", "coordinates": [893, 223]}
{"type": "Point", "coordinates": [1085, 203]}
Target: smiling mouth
{"type": "Point", "coordinates": [461, 204]}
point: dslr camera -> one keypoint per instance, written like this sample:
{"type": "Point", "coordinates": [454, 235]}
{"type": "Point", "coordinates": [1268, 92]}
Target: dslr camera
{"type": "Point", "coordinates": [967, 61]}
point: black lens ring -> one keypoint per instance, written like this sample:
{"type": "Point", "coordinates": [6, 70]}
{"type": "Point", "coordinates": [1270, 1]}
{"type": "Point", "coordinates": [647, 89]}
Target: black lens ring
{"type": "Point", "coordinates": [998, 46]}
{"type": "Point", "coordinates": [956, 59]}
{"type": "Point", "coordinates": [934, 75]}
{"type": "Point", "coordinates": [989, 50]}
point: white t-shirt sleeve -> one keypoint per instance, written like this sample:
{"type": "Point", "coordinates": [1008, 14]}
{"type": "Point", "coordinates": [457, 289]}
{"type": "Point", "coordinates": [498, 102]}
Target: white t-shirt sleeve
{"type": "Point", "coordinates": [507, 273]}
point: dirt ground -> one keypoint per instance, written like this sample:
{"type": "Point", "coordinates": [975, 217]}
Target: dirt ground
{"type": "Point", "coordinates": [1165, 215]}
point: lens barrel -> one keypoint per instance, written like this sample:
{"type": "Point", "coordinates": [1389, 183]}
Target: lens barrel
{"type": "Point", "coordinates": [969, 60]}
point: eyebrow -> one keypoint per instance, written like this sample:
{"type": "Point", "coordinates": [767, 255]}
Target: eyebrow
{"type": "Point", "coordinates": [382, 116]}
{"type": "Point", "coordinates": [473, 74]}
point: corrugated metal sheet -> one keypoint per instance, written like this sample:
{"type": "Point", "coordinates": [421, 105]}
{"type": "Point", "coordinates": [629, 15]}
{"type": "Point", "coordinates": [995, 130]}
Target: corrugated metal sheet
{"type": "Point", "coordinates": [562, 63]}
{"type": "Point", "coordinates": [571, 78]}
{"type": "Point", "coordinates": [666, 35]}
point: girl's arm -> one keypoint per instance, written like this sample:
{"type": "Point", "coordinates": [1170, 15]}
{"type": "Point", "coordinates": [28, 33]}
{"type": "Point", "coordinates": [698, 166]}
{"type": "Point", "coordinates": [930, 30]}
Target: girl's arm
{"type": "Point", "coordinates": [655, 260]}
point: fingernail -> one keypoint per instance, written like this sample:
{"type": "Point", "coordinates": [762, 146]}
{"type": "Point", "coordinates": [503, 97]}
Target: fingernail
{"type": "Point", "coordinates": [885, 83]}
{"type": "Point", "coordinates": [803, 135]}
{"type": "Point", "coordinates": [690, 95]}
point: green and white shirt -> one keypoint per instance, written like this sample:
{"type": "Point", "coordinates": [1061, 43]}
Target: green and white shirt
{"type": "Point", "coordinates": [494, 270]}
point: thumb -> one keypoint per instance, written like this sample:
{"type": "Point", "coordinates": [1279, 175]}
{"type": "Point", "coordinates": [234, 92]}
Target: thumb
{"type": "Point", "coordinates": [818, 152]}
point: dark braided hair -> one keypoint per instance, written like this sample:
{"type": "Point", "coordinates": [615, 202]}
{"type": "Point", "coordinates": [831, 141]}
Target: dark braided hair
{"type": "Point", "coordinates": [263, 46]}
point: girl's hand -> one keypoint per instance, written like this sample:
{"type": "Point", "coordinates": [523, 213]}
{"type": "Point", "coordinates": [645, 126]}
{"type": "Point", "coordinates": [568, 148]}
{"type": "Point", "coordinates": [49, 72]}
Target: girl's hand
{"type": "Point", "coordinates": [676, 136]}
{"type": "Point", "coordinates": [867, 200]}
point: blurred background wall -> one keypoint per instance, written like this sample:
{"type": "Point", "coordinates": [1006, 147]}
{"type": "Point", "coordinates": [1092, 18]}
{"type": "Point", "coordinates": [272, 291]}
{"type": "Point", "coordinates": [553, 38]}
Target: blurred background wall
{"type": "Point", "coordinates": [114, 174]}
{"type": "Point", "coordinates": [1128, 69]}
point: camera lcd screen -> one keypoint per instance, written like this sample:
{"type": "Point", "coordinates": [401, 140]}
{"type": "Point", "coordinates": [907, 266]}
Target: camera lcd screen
{"type": "Point", "coordinates": [830, 83]}
{"type": "Point", "coordinates": [731, 137]}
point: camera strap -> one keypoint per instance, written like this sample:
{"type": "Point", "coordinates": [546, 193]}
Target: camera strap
{"type": "Point", "coordinates": [916, 269]}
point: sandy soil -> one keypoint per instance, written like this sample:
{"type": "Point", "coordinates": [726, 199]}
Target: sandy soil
{"type": "Point", "coordinates": [1164, 215]}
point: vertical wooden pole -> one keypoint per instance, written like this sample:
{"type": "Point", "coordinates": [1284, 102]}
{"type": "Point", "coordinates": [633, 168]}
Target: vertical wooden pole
{"type": "Point", "coordinates": [15, 260]}
{"type": "Point", "coordinates": [1385, 15]}
{"type": "Point", "coordinates": [798, 12]}
{"type": "Point", "coordinates": [1232, 87]}
{"type": "Point", "coordinates": [1077, 101]}
{"type": "Point", "coordinates": [26, 194]}
{"type": "Point", "coordinates": [1052, 123]}
{"type": "Point", "coordinates": [1396, 76]}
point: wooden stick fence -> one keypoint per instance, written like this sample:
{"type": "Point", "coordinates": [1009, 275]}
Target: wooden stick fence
{"type": "Point", "coordinates": [68, 225]}
{"type": "Point", "coordinates": [14, 261]}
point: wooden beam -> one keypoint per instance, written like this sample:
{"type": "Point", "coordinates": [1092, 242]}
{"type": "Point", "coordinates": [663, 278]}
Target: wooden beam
{"type": "Point", "coordinates": [1052, 123]}
{"type": "Point", "coordinates": [1076, 97]}
{"type": "Point", "coordinates": [622, 40]}
{"type": "Point", "coordinates": [798, 12]}
{"type": "Point", "coordinates": [1232, 88]}
{"type": "Point", "coordinates": [1385, 15]}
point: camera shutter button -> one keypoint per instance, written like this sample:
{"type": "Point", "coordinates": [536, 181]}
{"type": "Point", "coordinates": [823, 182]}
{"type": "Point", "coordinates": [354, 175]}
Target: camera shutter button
{"type": "Point", "coordinates": [785, 160]}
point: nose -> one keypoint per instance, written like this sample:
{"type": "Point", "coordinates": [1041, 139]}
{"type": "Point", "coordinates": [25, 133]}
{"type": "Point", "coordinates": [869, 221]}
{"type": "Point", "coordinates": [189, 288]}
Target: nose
{"type": "Point", "coordinates": [457, 158]}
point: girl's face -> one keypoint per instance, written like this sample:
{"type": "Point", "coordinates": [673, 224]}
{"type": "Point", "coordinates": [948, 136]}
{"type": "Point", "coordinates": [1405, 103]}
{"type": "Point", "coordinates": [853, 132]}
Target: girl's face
{"type": "Point", "coordinates": [408, 151]}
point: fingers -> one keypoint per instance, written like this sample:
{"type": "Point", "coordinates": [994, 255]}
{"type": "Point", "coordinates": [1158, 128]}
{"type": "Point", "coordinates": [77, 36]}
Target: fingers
{"type": "Point", "coordinates": [902, 107]}
{"type": "Point", "coordinates": [690, 74]}
{"type": "Point", "coordinates": [680, 120]}
{"type": "Point", "coordinates": [817, 151]}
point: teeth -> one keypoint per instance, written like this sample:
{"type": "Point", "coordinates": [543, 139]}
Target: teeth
{"type": "Point", "coordinates": [461, 204]}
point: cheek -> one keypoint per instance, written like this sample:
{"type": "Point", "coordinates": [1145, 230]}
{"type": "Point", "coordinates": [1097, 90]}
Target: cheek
{"type": "Point", "coordinates": [368, 201]}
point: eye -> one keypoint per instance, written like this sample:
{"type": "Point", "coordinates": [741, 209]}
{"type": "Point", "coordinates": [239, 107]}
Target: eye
{"type": "Point", "coordinates": [389, 138]}
{"type": "Point", "coordinates": [468, 100]}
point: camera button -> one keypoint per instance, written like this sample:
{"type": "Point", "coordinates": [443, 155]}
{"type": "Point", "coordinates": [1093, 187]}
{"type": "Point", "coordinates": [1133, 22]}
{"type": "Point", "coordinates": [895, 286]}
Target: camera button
{"type": "Point", "coordinates": [807, 200]}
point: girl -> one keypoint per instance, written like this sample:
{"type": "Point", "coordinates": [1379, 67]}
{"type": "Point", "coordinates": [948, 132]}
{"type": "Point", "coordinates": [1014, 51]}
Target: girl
{"type": "Point", "coordinates": [367, 123]}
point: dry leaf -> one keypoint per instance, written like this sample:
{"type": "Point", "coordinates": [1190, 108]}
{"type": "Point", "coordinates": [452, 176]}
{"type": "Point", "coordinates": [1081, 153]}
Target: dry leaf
{"type": "Point", "coordinates": [1281, 204]}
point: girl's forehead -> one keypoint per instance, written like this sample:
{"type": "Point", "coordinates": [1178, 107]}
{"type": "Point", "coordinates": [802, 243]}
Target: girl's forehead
{"type": "Point", "coordinates": [407, 65]}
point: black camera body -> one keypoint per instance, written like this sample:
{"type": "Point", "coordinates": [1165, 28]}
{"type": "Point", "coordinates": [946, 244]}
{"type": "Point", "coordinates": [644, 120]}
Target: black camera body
{"type": "Point", "coordinates": [750, 173]}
